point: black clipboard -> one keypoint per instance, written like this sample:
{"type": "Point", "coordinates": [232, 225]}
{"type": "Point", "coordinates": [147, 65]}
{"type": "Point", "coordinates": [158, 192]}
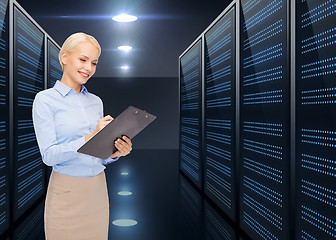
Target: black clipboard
{"type": "Point", "coordinates": [130, 122]}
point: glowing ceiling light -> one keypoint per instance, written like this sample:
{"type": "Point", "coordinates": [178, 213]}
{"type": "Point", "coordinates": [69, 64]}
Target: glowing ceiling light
{"type": "Point", "coordinates": [124, 67]}
{"type": "Point", "coordinates": [124, 193]}
{"type": "Point", "coordinates": [124, 173]}
{"type": "Point", "coordinates": [124, 222]}
{"type": "Point", "coordinates": [125, 48]}
{"type": "Point", "coordinates": [124, 18]}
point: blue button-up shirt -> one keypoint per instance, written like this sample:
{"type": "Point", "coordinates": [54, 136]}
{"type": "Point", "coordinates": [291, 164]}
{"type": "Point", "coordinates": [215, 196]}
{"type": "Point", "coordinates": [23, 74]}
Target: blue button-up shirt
{"type": "Point", "coordinates": [62, 118]}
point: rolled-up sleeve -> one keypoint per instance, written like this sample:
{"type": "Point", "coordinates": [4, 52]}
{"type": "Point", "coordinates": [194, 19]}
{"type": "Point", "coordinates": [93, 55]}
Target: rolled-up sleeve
{"type": "Point", "coordinates": [52, 152]}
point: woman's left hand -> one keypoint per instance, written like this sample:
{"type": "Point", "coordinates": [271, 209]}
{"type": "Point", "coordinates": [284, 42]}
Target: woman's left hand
{"type": "Point", "coordinates": [123, 147]}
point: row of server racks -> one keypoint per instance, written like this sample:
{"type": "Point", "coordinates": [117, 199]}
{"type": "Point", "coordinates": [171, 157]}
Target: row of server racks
{"type": "Point", "coordinates": [258, 117]}
{"type": "Point", "coordinates": [28, 64]}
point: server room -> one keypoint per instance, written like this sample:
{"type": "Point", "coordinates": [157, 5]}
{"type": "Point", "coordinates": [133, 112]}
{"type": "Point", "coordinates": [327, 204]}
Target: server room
{"type": "Point", "coordinates": [243, 146]}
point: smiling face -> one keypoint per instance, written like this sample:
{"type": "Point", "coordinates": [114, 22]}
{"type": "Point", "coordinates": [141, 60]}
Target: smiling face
{"type": "Point", "coordinates": [79, 64]}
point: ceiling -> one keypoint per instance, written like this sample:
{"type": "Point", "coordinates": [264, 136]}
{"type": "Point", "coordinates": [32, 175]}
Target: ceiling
{"type": "Point", "coordinates": [165, 28]}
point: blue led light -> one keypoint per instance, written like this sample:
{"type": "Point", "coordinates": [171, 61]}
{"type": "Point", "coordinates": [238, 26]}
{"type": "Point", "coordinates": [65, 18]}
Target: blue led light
{"type": "Point", "coordinates": [218, 123]}
{"type": "Point", "coordinates": [249, 5]}
{"type": "Point", "coordinates": [219, 227]}
{"type": "Point", "coordinates": [258, 228]}
{"type": "Point", "coordinates": [219, 74]}
{"type": "Point", "coordinates": [219, 166]}
{"type": "Point", "coordinates": [263, 148]}
{"type": "Point", "coordinates": [190, 66]}
{"type": "Point", "coordinates": [320, 140]}
{"type": "Point", "coordinates": [191, 121]}
{"type": "Point", "coordinates": [27, 73]}
{"type": "Point", "coordinates": [318, 13]}
{"type": "Point", "coordinates": [189, 86]}
{"type": "Point", "coordinates": [319, 164]}
{"type": "Point", "coordinates": [263, 35]}
{"type": "Point", "coordinates": [256, 127]}
{"type": "Point", "coordinates": [318, 41]}
{"type": "Point", "coordinates": [2, 144]}
{"type": "Point", "coordinates": [318, 220]}
{"type": "Point", "coordinates": [219, 102]}
{"type": "Point", "coordinates": [218, 137]}
{"type": "Point", "coordinates": [257, 98]}
{"type": "Point", "coordinates": [219, 180]}
{"type": "Point", "coordinates": [263, 191]}
{"type": "Point", "coordinates": [212, 36]}
{"type": "Point", "coordinates": [318, 192]}
{"type": "Point", "coordinates": [321, 68]}
{"type": "Point", "coordinates": [219, 88]}
{"type": "Point", "coordinates": [3, 99]}
{"type": "Point", "coordinates": [219, 45]}
{"type": "Point", "coordinates": [263, 211]}
{"type": "Point", "coordinates": [191, 75]}
{"type": "Point", "coordinates": [219, 60]}
{"type": "Point", "coordinates": [189, 130]}
{"type": "Point", "coordinates": [307, 236]}
{"type": "Point", "coordinates": [190, 151]}
{"type": "Point", "coordinates": [189, 140]}
{"type": "Point", "coordinates": [263, 76]}
{"type": "Point", "coordinates": [191, 162]}
{"type": "Point", "coordinates": [263, 56]}
{"type": "Point", "coordinates": [3, 126]}
{"type": "Point", "coordinates": [189, 106]}
{"type": "Point", "coordinates": [219, 152]}
{"type": "Point", "coordinates": [263, 14]}
{"type": "Point", "coordinates": [323, 93]}
{"type": "Point", "coordinates": [264, 170]}
{"type": "Point", "coordinates": [190, 96]}
{"type": "Point", "coordinates": [190, 171]}
{"type": "Point", "coordinates": [191, 54]}
{"type": "Point", "coordinates": [30, 60]}
{"type": "Point", "coordinates": [28, 153]}
{"type": "Point", "coordinates": [224, 199]}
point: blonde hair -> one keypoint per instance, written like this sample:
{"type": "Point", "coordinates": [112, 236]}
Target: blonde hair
{"type": "Point", "coordinates": [73, 40]}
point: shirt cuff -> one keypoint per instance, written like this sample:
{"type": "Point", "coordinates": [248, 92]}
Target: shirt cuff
{"type": "Point", "coordinates": [110, 160]}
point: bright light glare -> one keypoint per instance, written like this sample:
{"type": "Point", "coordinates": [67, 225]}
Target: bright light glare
{"type": "Point", "coordinates": [125, 48]}
{"type": "Point", "coordinates": [124, 67]}
{"type": "Point", "coordinates": [124, 222]}
{"type": "Point", "coordinates": [124, 173]}
{"type": "Point", "coordinates": [124, 18]}
{"type": "Point", "coordinates": [125, 193]}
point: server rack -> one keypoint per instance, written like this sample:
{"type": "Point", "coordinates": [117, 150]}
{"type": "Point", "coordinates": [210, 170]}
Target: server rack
{"type": "Point", "coordinates": [220, 111]}
{"type": "Point", "coordinates": [29, 79]}
{"type": "Point", "coordinates": [4, 116]}
{"type": "Point", "coordinates": [264, 119]}
{"type": "Point", "coordinates": [191, 125]}
{"type": "Point", "coordinates": [314, 66]}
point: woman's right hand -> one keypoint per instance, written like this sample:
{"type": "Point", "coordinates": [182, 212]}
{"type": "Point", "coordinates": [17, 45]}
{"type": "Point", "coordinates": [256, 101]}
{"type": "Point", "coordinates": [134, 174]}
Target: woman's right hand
{"type": "Point", "coordinates": [100, 125]}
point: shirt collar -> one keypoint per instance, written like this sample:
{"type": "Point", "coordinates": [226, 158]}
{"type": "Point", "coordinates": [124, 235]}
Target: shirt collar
{"type": "Point", "coordinates": [64, 89]}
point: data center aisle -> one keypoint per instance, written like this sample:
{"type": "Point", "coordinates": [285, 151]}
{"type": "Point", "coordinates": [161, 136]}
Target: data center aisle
{"type": "Point", "coordinates": [163, 203]}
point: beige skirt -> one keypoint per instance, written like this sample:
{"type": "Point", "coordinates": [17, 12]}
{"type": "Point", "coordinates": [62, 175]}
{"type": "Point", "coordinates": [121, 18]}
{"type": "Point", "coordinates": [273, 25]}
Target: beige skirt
{"type": "Point", "coordinates": [76, 208]}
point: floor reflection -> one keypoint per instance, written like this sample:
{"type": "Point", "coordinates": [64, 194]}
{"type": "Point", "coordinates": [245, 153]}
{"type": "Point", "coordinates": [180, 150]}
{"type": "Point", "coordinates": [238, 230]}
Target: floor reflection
{"type": "Point", "coordinates": [164, 203]}
{"type": "Point", "coordinates": [199, 220]}
{"type": "Point", "coordinates": [32, 227]}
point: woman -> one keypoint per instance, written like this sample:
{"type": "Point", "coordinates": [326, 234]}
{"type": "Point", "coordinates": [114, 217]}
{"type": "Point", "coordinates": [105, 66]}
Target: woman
{"type": "Point", "coordinates": [65, 117]}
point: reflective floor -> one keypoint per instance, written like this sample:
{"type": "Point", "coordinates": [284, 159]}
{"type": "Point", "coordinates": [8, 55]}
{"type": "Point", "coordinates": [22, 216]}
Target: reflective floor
{"type": "Point", "coordinates": [162, 202]}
